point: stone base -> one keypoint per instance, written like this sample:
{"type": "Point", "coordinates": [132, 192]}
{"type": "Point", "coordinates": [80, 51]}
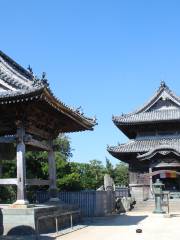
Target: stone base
{"type": "Point", "coordinates": [159, 211]}
{"type": "Point", "coordinates": [24, 221]}
{"type": "Point", "coordinates": [21, 202]}
{"type": "Point", "coordinates": [21, 206]}
{"type": "Point", "coordinates": [140, 192]}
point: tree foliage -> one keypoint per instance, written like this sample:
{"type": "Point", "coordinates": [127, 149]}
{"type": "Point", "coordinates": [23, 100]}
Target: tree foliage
{"type": "Point", "coordinates": [71, 176]}
{"type": "Point", "coordinates": [121, 174]}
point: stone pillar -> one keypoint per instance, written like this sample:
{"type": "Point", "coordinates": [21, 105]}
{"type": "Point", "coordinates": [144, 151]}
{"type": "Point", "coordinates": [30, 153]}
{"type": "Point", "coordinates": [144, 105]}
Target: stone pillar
{"type": "Point", "coordinates": [150, 182]}
{"type": "Point", "coordinates": [52, 174]}
{"type": "Point", "coordinates": [150, 177]}
{"type": "Point", "coordinates": [21, 167]}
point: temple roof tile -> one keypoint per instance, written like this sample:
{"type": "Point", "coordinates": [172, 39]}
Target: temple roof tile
{"type": "Point", "coordinates": [18, 85]}
{"type": "Point", "coordinates": [163, 106]}
{"type": "Point", "coordinates": [153, 116]}
{"type": "Point", "coordinates": [135, 146]}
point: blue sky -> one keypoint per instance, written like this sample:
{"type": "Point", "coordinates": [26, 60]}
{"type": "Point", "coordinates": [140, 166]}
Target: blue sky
{"type": "Point", "coordinates": [106, 56]}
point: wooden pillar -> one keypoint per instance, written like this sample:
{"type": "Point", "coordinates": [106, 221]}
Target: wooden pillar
{"type": "Point", "coordinates": [1, 173]}
{"type": "Point", "coordinates": [21, 166]}
{"type": "Point", "coordinates": [52, 174]}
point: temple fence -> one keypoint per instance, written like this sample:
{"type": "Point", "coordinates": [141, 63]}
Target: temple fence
{"type": "Point", "coordinates": [91, 203]}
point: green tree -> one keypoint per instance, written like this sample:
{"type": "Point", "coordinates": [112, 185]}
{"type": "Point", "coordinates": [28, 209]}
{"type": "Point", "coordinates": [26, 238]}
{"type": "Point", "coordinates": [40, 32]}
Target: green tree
{"type": "Point", "coordinates": [71, 176]}
{"type": "Point", "coordinates": [110, 168]}
{"type": "Point", "coordinates": [37, 162]}
{"type": "Point", "coordinates": [121, 174]}
{"type": "Point", "coordinates": [69, 182]}
{"type": "Point", "coordinates": [91, 174]}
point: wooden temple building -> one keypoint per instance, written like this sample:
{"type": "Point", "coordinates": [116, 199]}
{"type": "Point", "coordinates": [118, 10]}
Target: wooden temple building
{"type": "Point", "coordinates": [154, 143]}
{"type": "Point", "coordinates": [31, 118]}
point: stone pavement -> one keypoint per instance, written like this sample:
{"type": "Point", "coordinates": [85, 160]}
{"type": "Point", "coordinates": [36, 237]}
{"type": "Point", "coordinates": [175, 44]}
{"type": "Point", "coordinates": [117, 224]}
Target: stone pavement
{"type": "Point", "coordinates": [124, 227]}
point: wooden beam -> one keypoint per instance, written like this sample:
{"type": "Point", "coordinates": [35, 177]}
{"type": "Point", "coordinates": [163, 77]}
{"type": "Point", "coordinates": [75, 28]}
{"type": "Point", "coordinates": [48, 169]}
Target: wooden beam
{"type": "Point", "coordinates": [36, 143]}
{"type": "Point", "coordinates": [31, 128]}
{"type": "Point", "coordinates": [37, 182]}
{"type": "Point", "coordinates": [31, 182]}
{"type": "Point", "coordinates": [8, 181]}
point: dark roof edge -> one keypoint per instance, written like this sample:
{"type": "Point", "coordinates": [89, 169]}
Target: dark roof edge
{"type": "Point", "coordinates": [90, 121]}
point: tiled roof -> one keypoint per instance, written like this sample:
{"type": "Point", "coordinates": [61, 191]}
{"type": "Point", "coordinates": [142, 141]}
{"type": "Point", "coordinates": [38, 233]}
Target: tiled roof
{"type": "Point", "coordinates": [8, 97]}
{"type": "Point", "coordinates": [15, 77]}
{"type": "Point", "coordinates": [15, 66]}
{"type": "Point", "coordinates": [153, 116]}
{"type": "Point", "coordinates": [142, 146]}
{"type": "Point", "coordinates": [163, 92]}
{"type": "Point", "coordinates": [151, 111]}
{"type": "Point", "coordinates": [18, 85]}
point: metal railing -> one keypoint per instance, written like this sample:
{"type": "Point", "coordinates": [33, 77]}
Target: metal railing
{"type": "Point", "coordinates": [55, 217]}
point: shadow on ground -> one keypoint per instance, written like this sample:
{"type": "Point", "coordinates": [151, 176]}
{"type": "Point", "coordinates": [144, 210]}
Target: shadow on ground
{"type": "Point", "coordinates": [24, 233]}
{"type": "Point", "coordinates": [117, 220]}
{"type": "Point", "coordinates": [27, 238]}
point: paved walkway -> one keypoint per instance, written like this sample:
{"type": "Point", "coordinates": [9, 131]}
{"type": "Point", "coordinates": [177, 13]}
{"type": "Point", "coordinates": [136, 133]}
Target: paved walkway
{"type": "Point", "coordinates": [124, 228]}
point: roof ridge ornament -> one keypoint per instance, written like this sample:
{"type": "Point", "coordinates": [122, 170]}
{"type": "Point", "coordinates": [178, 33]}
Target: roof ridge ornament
{"type": "Point", "coordinates": [41, 82]}
{"type": "Point", "coordinates": [79, 110]}
{"type": "Point", "coordinates": [44, 79]}
{"type": "Point", "coordinates": [163, 84]}
{"type": "Point", "coordinates": [94, 119]}
{"type": "Point", "coordinates": [30, 70]}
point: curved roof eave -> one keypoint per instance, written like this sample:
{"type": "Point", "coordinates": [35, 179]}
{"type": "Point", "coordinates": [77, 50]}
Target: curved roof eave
{"type": "Point", "coordinates": [163, 150]}
{"type": "Point", "coordinates": [46, 94]}
{"type": "Point", "coordinates": [88, 123]}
